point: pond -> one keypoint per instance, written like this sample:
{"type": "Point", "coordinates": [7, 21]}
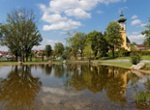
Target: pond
{"type": "Point", "coordinates": [72, 87]}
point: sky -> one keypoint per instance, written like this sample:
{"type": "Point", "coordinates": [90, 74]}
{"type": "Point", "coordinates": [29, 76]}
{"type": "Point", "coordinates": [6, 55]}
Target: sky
{"type": "Point", "coordinates": [55, 18]}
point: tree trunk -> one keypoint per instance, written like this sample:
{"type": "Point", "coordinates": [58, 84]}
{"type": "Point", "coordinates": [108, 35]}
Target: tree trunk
{"type": "Point", "coordinates": [113, 52]}
{"type": "Point", "coordinates": [30, 57]}
{"type": "Point", "coordinates": [16, 57]}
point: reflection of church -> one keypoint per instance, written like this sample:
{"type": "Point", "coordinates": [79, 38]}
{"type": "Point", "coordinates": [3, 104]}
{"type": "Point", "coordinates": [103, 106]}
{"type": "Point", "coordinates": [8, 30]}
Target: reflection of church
{"type": "Point", "coordinates": [122, 21]}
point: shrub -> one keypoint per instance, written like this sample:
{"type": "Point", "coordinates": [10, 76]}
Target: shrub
{"type": "Point", "coordinates": [123, 53]}
{"type": "Point", "coordinates": [143, 52]}
{"type": "Point", "coordinates": [135, 58]}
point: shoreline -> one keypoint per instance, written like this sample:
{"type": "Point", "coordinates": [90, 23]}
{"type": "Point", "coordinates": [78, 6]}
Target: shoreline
{"type": "Point", "coordinates": [124, 65]}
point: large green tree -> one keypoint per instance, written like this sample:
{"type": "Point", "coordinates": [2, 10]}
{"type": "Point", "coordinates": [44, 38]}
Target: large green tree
{"type": "Point", "coordinates": [98, 43]}
{"type": "Point", "coordinates": [114, 37]}
{"type": "Point", "coordinates": [147, 34]}
{"type": "Point", "coordinates": [77, 43]}
{"type": "Point", "coordinates": [20, 33]}
{"type": "Point", "coordinates": [58, 49]}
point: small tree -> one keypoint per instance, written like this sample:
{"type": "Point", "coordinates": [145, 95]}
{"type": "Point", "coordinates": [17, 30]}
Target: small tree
{"type": "Point", "coordinates": [48, 50]}
{"type": "Point", "coordinates": [77, 43]}
{"type": "Point", "coordinates": [114, 37]}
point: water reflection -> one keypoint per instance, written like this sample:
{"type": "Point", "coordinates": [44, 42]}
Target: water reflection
{"type": "Point", "coordinates": [112, 80]}
{"type": "Point", "coordinates": [47, 69]}
{"type": "Point", "coordinates": [71, 87]}
{"type": "Point", "coordinates": [18, 91]}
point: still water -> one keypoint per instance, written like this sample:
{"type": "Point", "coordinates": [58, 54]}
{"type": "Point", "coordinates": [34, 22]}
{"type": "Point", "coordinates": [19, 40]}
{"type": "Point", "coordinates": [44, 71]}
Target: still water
{"type": "Point", "coordinates": [71, 87]}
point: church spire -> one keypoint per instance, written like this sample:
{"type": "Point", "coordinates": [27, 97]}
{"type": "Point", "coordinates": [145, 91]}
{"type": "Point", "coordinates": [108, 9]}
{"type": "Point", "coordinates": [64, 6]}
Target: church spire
{"type": "Point", "coordinates": [122, 18]}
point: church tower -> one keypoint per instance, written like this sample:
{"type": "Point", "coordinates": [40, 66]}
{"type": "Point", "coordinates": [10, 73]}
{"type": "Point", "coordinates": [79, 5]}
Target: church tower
{"type": "Point", "coordinates": [122, 21]}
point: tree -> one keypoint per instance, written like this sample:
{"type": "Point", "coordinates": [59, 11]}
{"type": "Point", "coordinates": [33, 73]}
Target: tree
{"type": "Point", "coordinates": [67, 52]}
{"type": "Point", "coordinates": [58, 49]}
{"type": "Point", "coordinates": [98, 43]}
{"type": "Point", "coordinates": [114, 38]}
{"type": "Point", "coordinates": [77, 43]}
{"type": "Point", "coordinates": [48, 50]}
{"type": "Point", "coordinates": [147, 35]}
{"type": "Point", "coordinates": [20, 33]}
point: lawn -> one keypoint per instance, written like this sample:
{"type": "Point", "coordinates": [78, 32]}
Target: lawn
{"type": "Point", "coordinates": [126, 65]}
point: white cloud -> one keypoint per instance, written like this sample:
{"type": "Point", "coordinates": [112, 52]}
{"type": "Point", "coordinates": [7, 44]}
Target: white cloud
{"type": "Point", "coordinates": [78, 13]}
{"type": "Point", "coordinates": [99, 12]}
{"type": "Point", "coordinates": [134, 17]}
{"type": "Point", "coordinates": [62, 14]}
{"type": "Point", "coordinates": [136, 37]}
{"type": "Point", "coordinates": [136, 21]}
{"type": "Point", "coordinates": [62, 26]}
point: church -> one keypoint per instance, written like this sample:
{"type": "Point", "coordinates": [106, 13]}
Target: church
{"type": "Point", "coordinates": [126, 42]}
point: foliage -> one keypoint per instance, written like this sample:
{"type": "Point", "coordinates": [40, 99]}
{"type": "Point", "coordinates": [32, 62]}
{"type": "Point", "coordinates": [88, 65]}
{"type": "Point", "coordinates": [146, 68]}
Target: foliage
{"type": "Point", "coordinates": [114, 38]}
{"type": "Point", "coordinates": [67, 53]}
{"type": "Point", "coordinates": [135, 58]}
{"type": "Point", "coordinates": [77, 43]}
{"type": "Point", "coordinates": [48, 50]}
{"type": "Point", "coordinates": [143, 52]}
{"type": "Point", "coordinates": [87, 51]}
{"type": "Point", "coordinates": [58, 49]}
{"type": "Point", "coordinates": [147, 35]}
{"type": "Point", "coordinates": [98, 43]}
{"type": "Point", "coordinates": [123, 53]}
{"type": "Point", "coordinates": [20, 33]}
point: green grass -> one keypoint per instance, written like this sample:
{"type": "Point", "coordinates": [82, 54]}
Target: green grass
{"type": "Point", "coordinates": [123, 58]}
{"type": "Point", "coordinates": [126, 65]}
{"type": "Point", "coordinates": [146, 57]}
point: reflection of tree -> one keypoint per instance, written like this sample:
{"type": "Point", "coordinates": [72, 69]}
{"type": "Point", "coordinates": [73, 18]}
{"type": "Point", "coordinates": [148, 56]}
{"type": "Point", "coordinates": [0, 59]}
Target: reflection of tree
{"type": "Point", "coordinates": [59, 70]}
{"type": "Point", "coordinates": [47, 68]}
{"type": "Point", "coordinates": [95, 79]}
{"type": "Point", "coordinates": [18, 91]}
{"type": "Point", "coordinates": [116, 84]}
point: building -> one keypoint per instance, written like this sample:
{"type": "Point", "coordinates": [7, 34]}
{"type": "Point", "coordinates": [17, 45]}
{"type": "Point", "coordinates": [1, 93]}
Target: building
{"type": "Point", "coordinates": [122, 21]}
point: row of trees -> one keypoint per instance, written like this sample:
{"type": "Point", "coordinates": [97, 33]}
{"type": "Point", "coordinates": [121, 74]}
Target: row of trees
{"type": "Point", "coordinates": [57, 52]}
{"type": "Point", "coordinates": [96, 44]}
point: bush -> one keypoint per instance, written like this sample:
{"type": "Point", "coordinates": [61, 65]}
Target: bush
{"type": "Point", "coordinates": [123, 53]}
{"type": "Point", "coordinates": [143, 52]}
{"type": "Point", "coordinates": [135, 58]}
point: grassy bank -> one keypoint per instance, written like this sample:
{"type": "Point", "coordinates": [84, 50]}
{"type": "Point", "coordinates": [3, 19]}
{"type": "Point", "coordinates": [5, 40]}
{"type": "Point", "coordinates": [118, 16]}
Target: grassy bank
{"type": "Point", "coordinates": [126, 65]}
{"type": "Point", "coordinates": [114, 62]}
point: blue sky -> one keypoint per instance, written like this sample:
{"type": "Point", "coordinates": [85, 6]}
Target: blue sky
{"type": "Point", "coordinates": [57, 17]}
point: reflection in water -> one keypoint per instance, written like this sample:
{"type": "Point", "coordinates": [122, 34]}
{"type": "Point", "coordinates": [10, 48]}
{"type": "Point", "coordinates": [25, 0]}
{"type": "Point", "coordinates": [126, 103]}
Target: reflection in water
{"type": "Point", "coordinates": [47, 69]}
{"type": "Point", "coordinates": [19, 89]}
{"type": "Point", "coordinates": [71, 87]}
{"type": "Point", "coordinates": [112, 80]}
